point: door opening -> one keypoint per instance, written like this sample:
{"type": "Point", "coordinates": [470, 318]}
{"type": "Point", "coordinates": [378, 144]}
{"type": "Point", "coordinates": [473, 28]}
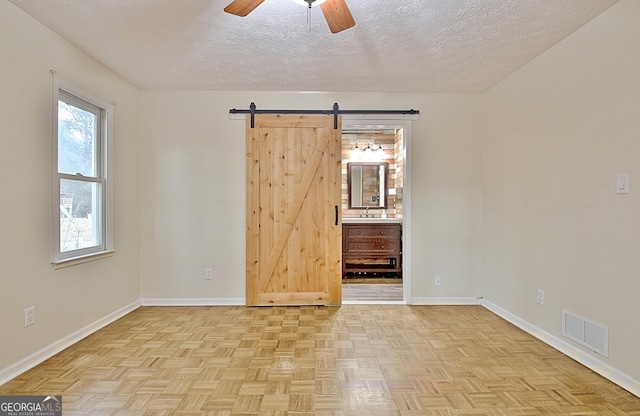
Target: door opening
{"type": "Point", "coordinates": [375, 212]}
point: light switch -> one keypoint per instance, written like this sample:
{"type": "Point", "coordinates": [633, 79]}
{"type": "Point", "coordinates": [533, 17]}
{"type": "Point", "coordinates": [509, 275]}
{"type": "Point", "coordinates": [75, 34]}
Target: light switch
{"type": "Point", "coordinates": [622, 183]}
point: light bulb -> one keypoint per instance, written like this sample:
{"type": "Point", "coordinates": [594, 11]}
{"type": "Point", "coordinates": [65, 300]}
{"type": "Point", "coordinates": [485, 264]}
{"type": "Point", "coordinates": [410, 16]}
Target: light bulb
{"type": "Point", "coordinates": [355, 152]}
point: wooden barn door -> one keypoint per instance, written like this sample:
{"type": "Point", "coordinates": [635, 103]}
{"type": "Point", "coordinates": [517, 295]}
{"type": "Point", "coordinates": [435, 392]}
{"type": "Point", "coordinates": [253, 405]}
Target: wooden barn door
{"type": "Point", "coordinates": [293, 211]}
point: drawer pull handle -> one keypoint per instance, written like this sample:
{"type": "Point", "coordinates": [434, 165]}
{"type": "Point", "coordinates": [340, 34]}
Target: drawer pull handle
{"type": "Point", "coordinates": [359, 232]}
{"type": "Point", "coordinates": [359, 246]}
{"type": "Point", "coordinates": [382, 232]}
{"type": "Point", "coordinates": [381, 246]}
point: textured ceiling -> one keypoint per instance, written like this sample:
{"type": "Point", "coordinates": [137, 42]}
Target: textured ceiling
{"type": "Point", "coordinates": [399, 46]}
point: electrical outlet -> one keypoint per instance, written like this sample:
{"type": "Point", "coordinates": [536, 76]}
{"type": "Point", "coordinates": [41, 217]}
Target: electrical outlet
{"type": "Point", "coordinates": [208, 274]}
{"type": "Point", "coordinates": [29, 316]}
{"type": "Point", "coordinates": [438, 281]}
{"type": "Point", "coordinates": [540, 297]}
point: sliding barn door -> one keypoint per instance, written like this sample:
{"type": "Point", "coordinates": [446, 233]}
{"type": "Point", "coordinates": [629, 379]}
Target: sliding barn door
{"type": "Point", "coordinates": [293, 211]}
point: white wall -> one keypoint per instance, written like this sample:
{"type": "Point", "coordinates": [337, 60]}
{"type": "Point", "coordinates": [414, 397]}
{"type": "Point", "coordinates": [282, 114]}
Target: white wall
{"type": "Point", "coordinates": [193, 189]}
{"type": "Point", "coordinates": [70, 299]}
{"type": "Point", "coordinates": [556, 133]}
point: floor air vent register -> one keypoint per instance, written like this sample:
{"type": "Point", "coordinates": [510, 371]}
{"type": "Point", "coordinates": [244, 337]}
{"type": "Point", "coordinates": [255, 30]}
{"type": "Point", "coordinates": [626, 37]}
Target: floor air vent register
{"type": "Point", "coordinates": [585, 332]}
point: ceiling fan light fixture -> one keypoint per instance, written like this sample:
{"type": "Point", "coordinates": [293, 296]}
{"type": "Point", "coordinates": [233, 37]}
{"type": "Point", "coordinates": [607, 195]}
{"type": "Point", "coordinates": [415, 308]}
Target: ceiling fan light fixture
{"type": "Point", "coordinates": [313, 3]}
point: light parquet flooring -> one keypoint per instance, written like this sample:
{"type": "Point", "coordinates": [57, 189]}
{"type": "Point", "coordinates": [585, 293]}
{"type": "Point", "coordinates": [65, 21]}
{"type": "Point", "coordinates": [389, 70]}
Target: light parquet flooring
{"type": "Point", "coordinates": [391, 360]}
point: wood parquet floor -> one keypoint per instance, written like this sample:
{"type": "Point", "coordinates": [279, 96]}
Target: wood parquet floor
{"type": "Point", "coordinates": [378, 360]}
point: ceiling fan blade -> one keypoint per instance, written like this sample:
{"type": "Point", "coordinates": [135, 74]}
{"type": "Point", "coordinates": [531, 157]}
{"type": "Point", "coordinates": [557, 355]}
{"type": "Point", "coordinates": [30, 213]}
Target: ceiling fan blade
{"type": "Point", "coordinates": [242, 7]}
{"type": "Point", "coordinates": [338, 15]}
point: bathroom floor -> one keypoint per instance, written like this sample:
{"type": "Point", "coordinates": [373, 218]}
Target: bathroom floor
{"type": "Point", "coordinates": [372, 289]}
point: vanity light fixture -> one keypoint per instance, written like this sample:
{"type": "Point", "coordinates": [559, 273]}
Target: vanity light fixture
{"type": "Point", "coordinates": [356, 153]}
{"type": "Point", "coordinates": [368, 153]}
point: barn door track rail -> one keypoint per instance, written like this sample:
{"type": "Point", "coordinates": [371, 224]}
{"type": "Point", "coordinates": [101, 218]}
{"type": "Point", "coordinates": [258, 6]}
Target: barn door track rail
{"type": "Point", "coordinates": [335, 111]}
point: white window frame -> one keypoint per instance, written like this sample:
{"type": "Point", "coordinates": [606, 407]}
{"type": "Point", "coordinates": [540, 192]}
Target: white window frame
{"type": "Point", "coordinates": [61, 258]}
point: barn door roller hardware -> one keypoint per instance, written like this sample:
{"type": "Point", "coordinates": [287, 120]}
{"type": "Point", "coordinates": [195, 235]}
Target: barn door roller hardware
{"type": "Point", "coordinates": [335, 111]}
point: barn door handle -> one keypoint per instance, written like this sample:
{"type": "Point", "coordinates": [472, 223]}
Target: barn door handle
{"type": "Point", "coordinates": [336, 215]}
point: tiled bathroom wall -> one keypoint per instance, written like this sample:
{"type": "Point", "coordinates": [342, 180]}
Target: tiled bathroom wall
{"type": "Point", "coordinates": [391, 152]}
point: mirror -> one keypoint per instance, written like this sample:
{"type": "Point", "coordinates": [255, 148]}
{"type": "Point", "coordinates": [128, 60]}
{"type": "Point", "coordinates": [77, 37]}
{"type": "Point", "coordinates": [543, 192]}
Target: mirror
{"type": "Point", "coordinates": [367, 183]}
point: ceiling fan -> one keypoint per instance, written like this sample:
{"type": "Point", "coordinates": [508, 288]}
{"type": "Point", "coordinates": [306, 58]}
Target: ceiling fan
{"type": "Point", "coordinates": [336, 12]}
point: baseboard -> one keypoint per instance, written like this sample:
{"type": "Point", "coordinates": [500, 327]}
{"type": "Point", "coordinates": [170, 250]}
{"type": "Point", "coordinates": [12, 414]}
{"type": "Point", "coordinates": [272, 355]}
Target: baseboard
{"type": "Point", "coordinates": [52, 349]}
{"type": "Point", "coordinates": [605, 370]}
{"type": "Point", "coordinates": [444, 301]}
{"type": "Point", "coordinates": [193, 302]}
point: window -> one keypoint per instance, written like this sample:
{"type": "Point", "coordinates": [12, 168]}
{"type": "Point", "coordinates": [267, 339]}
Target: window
{"type": "Point", "coordinates": [81, 188]}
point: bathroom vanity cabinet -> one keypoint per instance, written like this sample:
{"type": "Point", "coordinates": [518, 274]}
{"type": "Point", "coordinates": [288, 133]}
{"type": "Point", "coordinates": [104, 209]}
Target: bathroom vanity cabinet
{"type": "Point", "coordinates": [371, 249]}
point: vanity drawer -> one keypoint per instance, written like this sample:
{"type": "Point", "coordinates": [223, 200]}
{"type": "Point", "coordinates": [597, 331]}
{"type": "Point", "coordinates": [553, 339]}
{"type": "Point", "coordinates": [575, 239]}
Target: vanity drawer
{"type": "Point", "coordinates": [377, 245]}
{"type": "Point", "coordinates": [374, 230]}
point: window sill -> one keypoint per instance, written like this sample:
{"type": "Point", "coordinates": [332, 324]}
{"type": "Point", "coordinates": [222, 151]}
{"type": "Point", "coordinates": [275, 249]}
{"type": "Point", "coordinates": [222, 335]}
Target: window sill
{"type": "Point", "coordinates": [73, 261]}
